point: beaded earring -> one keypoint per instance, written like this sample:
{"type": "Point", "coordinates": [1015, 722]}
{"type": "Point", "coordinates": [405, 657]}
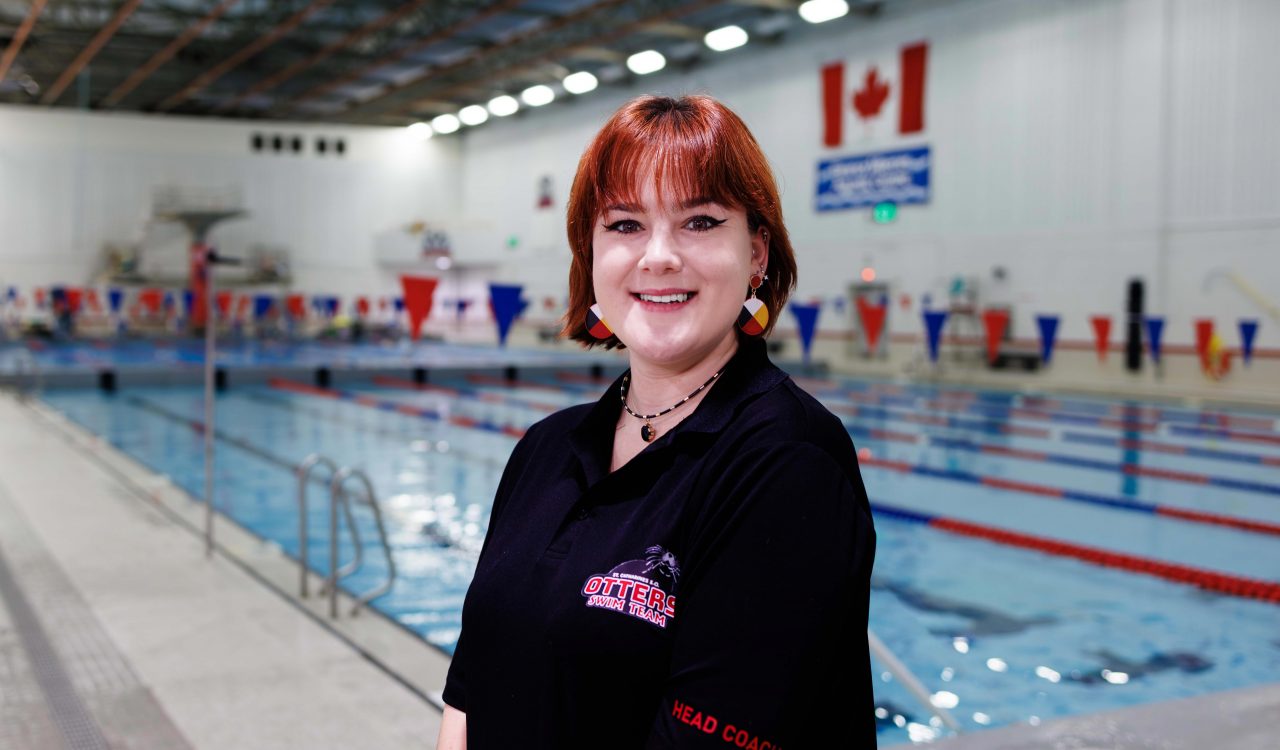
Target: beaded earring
{"type": "Point", "coordinates": [595, 323]}
{"type": "Point", "coordinates": [754, 316]}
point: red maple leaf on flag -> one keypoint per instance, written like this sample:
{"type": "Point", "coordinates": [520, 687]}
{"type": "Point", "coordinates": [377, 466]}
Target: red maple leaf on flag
{"type": "Point", "coordinates": [868, 100]}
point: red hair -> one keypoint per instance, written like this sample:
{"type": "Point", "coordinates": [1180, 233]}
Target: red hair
{"type": "Point", "coordinates": [692, 147]}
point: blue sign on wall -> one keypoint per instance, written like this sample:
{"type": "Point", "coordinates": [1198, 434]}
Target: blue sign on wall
{"type": "Point", "coordinates": [867, 179]}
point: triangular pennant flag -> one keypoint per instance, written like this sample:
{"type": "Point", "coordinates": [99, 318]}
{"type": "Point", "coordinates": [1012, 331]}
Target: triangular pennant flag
{"type": "Point", "coordinates": [1155, 333]}
{"type": "Point", "coordinates": [994, 322]}
{"type": "Point", "coordinates": [418, 292]}
{"type": "Point", "coordinates": [1248, 331]}
{"type": "Point", "coordinates": [1101, 335]}
{"type": "Point", "coordinates": [188, 302]}
{"type": "Point", "coordinates": [398, 303]}
{"type": "Point", "coordinates": [74, 298]}
{"type": "Point", "coordinates": [262, 305]}
{"type": "Point", "coordinates": [872, 319]}
{"type": "Point", "coordinates": [806, 323]}
{"type": "Point", "coordinates": [332, 305]}
{"type": "Point", "coordinates": [11, 294]}
{"type": "Point", "coordinates": [1048, 325]}
{"type": "Point", "coordinates": [933, 322]}
{"type": "Point", "coordinates": [1204, 334]}
{"type": "Point", "coordinates": [151, 299]}
{"type": "Point", "coordinates": [39, 294]}
{"type": "Point", "coordinates": [91, 299]}
{"type": "Point", "coordinates": [223, 302]}
{"type": "Point", "coordinates": [242, 306]}
{"type": "Point", "coordinates": [115, 298]}
{"type": "Point", "coordinates": [296, 304]}
{"type": "Point", "coordinates": [362, 306]}
{"type": "Point", "coordinates": [507, 306]}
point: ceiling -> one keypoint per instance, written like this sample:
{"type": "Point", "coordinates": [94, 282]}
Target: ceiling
{"type": "Point", "coordinates": [386, 62]}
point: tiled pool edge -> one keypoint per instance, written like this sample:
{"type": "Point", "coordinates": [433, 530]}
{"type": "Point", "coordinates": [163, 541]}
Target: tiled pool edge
{"type": "Point", "coordinates": [401, 655]}
{"type": "Point", "coordinates": [1244, 719]}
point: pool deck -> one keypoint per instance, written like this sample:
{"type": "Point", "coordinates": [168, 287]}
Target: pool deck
{"type": "Point", "coordinates": [116, 630]}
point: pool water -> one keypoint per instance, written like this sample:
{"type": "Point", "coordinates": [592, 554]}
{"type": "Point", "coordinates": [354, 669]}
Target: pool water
{"type": "Point", "coordinates": [999, 633]}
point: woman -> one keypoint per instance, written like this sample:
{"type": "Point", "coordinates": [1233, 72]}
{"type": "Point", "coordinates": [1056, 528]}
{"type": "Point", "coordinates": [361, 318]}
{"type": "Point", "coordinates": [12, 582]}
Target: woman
{"type": "Point", "coordinates": [686, 562]}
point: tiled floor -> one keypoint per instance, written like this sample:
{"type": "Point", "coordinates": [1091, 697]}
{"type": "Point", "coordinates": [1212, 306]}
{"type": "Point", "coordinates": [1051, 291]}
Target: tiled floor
{"type": "Point", "coordinates": [148, 643]}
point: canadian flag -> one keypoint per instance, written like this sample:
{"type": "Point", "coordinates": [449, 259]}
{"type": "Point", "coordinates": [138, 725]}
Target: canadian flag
{"type": "Point", "coordinates": [874, 99]}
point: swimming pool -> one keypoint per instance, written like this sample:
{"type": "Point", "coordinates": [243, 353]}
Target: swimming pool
{"type": "Point", "coordinates": [1037, 557]}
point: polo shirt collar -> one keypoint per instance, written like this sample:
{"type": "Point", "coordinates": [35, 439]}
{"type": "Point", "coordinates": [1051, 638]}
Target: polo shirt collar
{"type": "Point", "coordinates": [748, 374]}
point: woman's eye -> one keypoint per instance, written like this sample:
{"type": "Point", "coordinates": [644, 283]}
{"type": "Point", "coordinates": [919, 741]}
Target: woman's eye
{"type": "Point", "coordinates": [703, 223]}
{"type": "Point", "coordinates": [623, 226]}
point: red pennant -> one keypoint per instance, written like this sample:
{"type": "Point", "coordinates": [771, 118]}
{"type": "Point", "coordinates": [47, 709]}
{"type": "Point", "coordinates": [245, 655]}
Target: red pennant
{"type": "Point", "coordinates": [297, 306]}
{"type": "Point", "coordinates": [382, 303]}
{"type": "Point", "coordinates": [74, 297]}
{"type": "Point", "coordinates": [151, 299]}
{"type": "Point", "coordinates": [994, 321]}
{"type": "Point", "coordinates": [1204, 334]}
{"type": "Point", "coordinates": [418, 292]}
{"type": "Point", "coordinates": [362, 306]}
{"type": "Point", "coordinates": [872, 318]}
{"type": "Point", "coordinates": [223, 301]}
{"type": "Point", "coordinates": [91, 299]}
{"type": "Point", "coordinates": [39, 295]}
{"type": "Point", "coordinates": [242, 306]}
{"type": "Point", "coordinates": [1101, 335]}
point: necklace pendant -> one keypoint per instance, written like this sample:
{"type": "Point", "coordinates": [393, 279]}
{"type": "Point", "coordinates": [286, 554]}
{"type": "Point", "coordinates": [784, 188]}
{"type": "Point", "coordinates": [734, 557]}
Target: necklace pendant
{"type": "Point", "coordinates": [648, 432]}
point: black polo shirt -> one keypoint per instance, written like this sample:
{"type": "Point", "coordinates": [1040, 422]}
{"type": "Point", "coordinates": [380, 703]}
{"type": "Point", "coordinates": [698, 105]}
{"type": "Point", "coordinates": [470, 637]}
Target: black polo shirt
{"type": "Point", "coordinates": [712, 593]}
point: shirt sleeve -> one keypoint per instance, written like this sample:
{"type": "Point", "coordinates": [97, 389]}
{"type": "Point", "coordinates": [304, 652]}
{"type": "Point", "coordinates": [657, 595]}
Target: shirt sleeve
{"type": "Point", "coordinates": [770, 646]}
{"type": "Point", "coordinates": [455, 690]}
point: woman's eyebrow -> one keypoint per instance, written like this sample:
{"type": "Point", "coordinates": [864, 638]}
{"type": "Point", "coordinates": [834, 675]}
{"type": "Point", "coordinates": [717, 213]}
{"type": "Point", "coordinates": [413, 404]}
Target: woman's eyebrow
{"type": "Point", "coordinates": [630, 208]}
{"type": "Point", "coordinates": [700, 200]}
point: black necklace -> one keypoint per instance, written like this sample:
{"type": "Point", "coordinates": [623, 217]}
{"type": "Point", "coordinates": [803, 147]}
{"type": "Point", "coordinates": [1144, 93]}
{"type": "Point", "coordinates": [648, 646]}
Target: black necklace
{"type": "Point", "coordinates": [647, 431]}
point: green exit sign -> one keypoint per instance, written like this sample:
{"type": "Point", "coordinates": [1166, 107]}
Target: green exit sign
{"type": "Point", "coordinates": [885, 212]}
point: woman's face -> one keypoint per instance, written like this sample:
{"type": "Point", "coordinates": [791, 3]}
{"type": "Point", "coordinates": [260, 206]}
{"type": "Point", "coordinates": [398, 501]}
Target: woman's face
{"type": "Point", "coordinates": [670, 279]}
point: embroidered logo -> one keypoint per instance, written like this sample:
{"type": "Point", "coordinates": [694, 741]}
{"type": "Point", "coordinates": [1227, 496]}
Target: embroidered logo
{"type": "Point", "coordinates": [644, 589]}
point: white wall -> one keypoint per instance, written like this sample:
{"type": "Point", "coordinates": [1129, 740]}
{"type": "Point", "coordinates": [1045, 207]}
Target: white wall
{"type": "Point", "coordinates": [1076, 143]}
{"type": "Point", "coordinates": [72, 183]}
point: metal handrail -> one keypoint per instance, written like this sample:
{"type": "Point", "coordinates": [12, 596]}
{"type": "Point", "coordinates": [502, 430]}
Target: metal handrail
{"type": "Point", "coordinates": [371, 498]}
{"type": "Point", "coordinates": [303, 472]}
{"type": "Point", "coordinates": [910, 681]}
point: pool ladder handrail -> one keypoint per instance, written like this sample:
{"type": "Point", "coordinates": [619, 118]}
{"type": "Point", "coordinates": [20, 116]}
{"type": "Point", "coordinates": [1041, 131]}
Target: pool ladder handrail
{"type": "Point", "coordinates": [912, 683]}
{"type": "Point", "coordinates": [336, 489]}
{"type": "Point", "coordinates": [303, 473]}
{"type": "Point", "coordinates": [340, 495]}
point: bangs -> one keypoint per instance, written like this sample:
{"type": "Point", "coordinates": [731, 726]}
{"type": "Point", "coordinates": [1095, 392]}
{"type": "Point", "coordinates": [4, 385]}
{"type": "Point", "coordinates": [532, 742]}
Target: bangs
{"type": "Point", "coordinates": [678, 154]}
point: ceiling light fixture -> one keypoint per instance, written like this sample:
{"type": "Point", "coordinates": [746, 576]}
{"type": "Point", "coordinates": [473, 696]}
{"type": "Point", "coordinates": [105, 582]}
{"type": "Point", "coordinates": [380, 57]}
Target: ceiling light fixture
{"type": "Point", "coordinates": [536, 96]}
{"type": "Point", "coordinates": [725, 38]}
{"type": "Point", "coordinates": [501, 106]}
{"type": "Point", "coordinates": [821, 11]}
{"type": "Point", "coordinates": [445, 124]}
{"type": "Point", "coordinates": [473, 114]}
{"type": "Point", "coordinates": [644, 63]}
{"type": "Point", "coordinates": [420, 130]}
{"type": "Point", "coordinates": [580, 82]}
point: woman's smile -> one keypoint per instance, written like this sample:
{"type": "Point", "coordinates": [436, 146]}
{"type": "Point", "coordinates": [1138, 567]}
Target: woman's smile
{"type": "Point", "coordinates": [664, 300]}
